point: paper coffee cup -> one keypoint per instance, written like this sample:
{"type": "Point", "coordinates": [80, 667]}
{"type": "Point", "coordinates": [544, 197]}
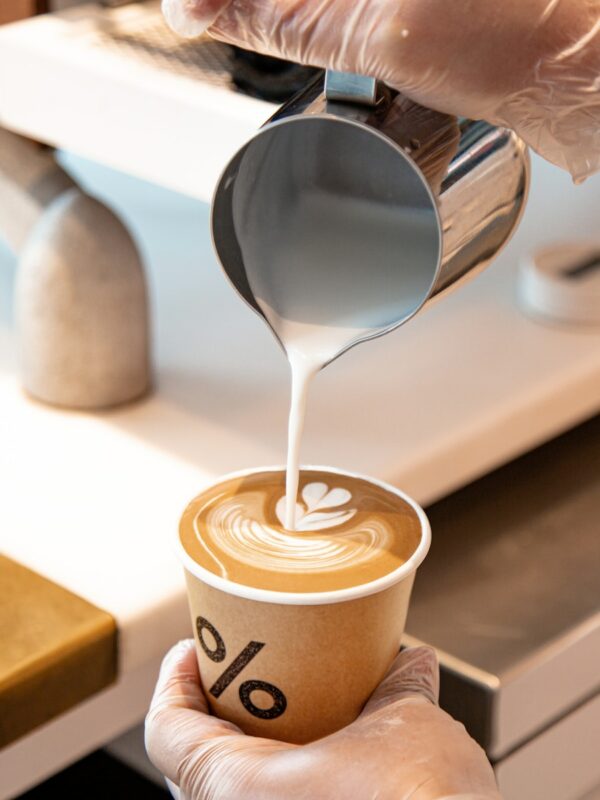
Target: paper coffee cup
{"type": "Point", "coordinates": [297, 666]}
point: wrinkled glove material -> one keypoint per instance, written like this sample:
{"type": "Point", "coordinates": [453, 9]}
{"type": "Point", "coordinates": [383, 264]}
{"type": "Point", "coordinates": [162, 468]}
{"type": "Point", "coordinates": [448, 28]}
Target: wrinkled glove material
{"type": "Point", "coordinates": [401, 746]}
{"type": "Point", "coordinates": [530, 65]}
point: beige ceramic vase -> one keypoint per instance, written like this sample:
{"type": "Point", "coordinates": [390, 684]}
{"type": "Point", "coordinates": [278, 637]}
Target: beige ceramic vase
{"type": "Point", "coordinates": [81, 307]}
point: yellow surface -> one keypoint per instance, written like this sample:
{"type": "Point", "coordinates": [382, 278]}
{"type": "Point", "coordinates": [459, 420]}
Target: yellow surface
{"type": "Point", "coordinates": [55, 650]}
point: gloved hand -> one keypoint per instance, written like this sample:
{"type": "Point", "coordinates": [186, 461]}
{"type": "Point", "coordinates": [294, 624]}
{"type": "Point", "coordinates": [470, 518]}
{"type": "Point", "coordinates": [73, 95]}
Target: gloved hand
{"type": "Point", "coordinates": [531, 65]}
{"type": "Point", "coordinates": [402, 746]}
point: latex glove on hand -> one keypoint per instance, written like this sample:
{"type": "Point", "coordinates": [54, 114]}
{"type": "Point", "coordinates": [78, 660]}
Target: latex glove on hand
{"type": "Point", "coordinates": [402, 746]}
{"type": "Point", "coordinates": [531, 65]}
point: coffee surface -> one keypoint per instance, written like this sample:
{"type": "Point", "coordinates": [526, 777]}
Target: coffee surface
{"type": "Point", "coordinates": [348, 532]}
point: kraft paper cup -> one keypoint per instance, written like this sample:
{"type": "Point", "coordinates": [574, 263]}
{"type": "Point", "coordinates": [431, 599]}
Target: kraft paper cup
{"type": "Point", "coordinates": [297, 666]}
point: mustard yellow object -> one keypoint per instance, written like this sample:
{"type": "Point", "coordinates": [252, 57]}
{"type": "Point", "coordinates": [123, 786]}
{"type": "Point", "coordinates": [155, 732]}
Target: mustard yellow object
{"type": "Point", "coordinates": [56, 650]}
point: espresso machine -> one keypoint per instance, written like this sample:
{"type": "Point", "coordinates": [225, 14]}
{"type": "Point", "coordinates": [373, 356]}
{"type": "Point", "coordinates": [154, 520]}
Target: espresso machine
{"type": "Point", "coordinates": [504, 446]}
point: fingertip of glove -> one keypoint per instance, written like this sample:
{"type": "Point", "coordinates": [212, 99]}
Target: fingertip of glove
{"type": "Point", "coordinates": [414, 672]}
{"type": "Point", "coordinates": [179, 649]}
{"type": "Point", "coordinates": [179, 653]}
{"type": "Point", "coordinates": [422, 657]}
{"type": "Point", "coordinates": [417, 671]}
{"type": "Point", "coordinates": [184, 18]}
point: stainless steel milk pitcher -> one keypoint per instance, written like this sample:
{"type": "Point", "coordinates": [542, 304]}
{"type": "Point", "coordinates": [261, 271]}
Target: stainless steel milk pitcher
{"type": "Point", "coordinates": [442, 194]}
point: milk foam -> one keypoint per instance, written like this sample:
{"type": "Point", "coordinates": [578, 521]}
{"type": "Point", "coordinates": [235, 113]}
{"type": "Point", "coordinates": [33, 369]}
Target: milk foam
{"type": "Point", "coordinates": [348, 531]}
{"type": "Point", "coordinates": [261, 546]}
{"type": "Point", "coordinates": [313, 513]}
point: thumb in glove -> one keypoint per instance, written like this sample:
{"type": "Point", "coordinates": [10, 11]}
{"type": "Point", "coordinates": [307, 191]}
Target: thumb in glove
{"type": "Point", "coordinates": [402, 745]}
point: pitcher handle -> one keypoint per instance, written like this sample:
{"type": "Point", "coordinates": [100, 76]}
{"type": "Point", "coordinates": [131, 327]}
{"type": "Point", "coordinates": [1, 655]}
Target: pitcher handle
{"type": "Point", "coordinates": [347, 87]}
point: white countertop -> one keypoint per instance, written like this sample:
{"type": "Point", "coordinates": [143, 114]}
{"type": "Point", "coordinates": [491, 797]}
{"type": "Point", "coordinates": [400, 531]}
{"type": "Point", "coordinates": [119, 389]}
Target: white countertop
{"type": "Point", "coordinates": [116, 86]}
{"type": "Point", "coordinates": [92, 501]}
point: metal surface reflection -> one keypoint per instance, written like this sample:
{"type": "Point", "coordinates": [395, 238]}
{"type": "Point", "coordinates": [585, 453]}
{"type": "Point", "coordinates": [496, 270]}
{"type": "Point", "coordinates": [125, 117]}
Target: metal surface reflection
{"type": "Point", "coordinates": [440, 197]}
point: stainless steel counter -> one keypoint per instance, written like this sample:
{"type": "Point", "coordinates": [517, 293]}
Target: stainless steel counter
{"type": "Point", "coordinates": [510, 594]}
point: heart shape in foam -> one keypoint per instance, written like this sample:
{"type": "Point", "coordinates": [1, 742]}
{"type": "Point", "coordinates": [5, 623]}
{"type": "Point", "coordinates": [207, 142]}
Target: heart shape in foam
{"type": "Point", "coordinates": [314, 515]}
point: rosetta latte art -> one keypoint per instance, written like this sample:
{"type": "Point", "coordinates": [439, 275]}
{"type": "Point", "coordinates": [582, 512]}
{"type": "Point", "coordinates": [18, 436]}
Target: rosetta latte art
{"type": "Point", "coordinates": [262, 546]}
{"type": "Point", "coordinates": [320, 509]}
{"type": "Point", "coordinates": [348, 531]}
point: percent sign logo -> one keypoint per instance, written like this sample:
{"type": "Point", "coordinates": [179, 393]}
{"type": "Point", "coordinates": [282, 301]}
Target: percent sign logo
{"type": "Point", "coordinates": [218, 654]}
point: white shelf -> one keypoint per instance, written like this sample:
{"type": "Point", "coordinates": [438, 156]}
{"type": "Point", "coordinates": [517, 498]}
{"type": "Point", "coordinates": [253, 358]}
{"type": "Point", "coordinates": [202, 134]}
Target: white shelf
{"type": "Point", "coordinates": [115, 86]}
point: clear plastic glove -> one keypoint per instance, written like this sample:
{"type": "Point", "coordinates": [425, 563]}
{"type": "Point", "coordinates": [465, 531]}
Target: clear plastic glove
{"type": "Point", "coordinates": [532, 65]}
{"type": "Point", "coordinates": [402, 746]}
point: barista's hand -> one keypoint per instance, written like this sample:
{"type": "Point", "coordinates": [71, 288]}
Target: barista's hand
{"type": "Point", "coordinates": [402, 745]}
{"type": "Point", "coordinates": [533, 65]}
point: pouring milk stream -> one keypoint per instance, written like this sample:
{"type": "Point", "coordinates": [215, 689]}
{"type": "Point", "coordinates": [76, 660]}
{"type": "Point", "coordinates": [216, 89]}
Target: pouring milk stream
{"type": "Point", "coordinates": [346, 213]}
{"type": "Point", "coordinates": [323, 293]}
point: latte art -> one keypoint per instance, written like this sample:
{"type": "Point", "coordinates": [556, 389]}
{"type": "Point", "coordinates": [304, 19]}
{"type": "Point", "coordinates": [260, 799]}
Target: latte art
{"type": "Point", "coordinates": [348, 532]}
{"type": "Point", "coordinates": [263, 547]}
{"type": "Point", "coordinates": [317, 513]}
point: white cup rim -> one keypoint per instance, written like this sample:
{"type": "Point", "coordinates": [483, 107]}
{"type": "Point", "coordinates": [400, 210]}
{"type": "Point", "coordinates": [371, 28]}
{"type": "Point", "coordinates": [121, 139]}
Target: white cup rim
{"type": "Point", "coordinates": [312, 598]}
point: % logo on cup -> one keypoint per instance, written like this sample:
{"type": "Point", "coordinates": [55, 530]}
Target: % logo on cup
{"type": "Point", "coordinates": [218, 654]}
